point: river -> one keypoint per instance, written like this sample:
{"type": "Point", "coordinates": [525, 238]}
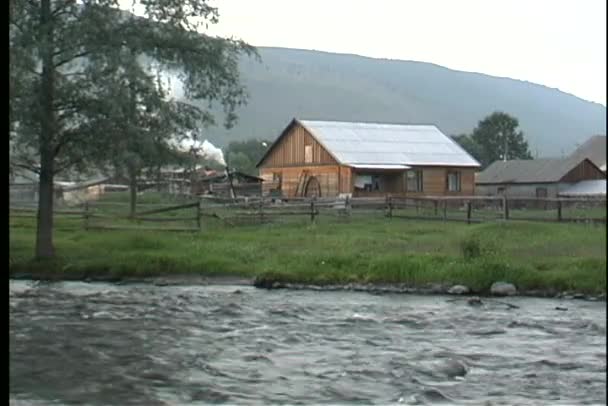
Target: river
{"type": "Point", "coordinates": [103, 344]}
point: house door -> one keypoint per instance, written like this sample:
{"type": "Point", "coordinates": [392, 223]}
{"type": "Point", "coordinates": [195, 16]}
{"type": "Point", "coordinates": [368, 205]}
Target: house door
{"type": "Point", "coordinates": [313, 188]}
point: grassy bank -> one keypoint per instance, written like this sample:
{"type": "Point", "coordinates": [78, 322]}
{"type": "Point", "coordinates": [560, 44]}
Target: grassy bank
{"type": "Point", "coordinates": [531, 255]}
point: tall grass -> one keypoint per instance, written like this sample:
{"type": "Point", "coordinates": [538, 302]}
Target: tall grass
{"type": "Point", "coordinates": [531, 255]}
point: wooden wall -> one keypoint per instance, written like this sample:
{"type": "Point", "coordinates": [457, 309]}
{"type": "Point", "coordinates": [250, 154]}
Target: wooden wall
{"type": "Point", "coordinates": [327, 175]}
{"type": "Point", "coordinates": [434, 182]}
{"type": "Point", "coordinates": [289, 151]}
{"type": "Point", "coordinates": [583, 171]}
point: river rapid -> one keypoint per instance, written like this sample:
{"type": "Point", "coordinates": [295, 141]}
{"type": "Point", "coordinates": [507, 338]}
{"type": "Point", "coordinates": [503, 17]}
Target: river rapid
{"type": "Point", "coordinates": [103, 344]}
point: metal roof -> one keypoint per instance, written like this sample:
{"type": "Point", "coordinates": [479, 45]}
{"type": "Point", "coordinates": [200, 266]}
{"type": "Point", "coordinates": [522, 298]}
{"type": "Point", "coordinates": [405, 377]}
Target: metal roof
{"type": "Point", "coordinates": [593, 149]}
{"type": "Point", "coordinates": [586, 188]}
{"type": "Point", "coordinates": [388, 144]}
{"type": "Point", "coordinates": [546, 170]}
{"type": "Point", "coordinates": [385, 166]}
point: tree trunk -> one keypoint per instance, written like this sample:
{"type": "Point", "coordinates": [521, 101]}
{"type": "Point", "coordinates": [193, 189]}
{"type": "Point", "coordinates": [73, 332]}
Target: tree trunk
{"type": "Point", "coordinates": [44, 231]}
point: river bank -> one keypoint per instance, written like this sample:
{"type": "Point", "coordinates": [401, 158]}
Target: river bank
{"type": "Point", "coordinates": [379, 255]}
{"type": "Point", "coordinates": [262, 283]}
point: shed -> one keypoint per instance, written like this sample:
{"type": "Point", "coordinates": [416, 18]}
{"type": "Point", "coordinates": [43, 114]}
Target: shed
{"type": "Point", "coordinates": [535, 177]}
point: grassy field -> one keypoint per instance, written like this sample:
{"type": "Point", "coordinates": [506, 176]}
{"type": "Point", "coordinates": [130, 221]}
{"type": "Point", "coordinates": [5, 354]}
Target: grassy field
{"type": "Point", "coordinates": [543, 256]}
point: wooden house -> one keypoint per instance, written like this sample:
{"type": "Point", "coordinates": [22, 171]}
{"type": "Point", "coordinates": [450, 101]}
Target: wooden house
{"type": "Point", "coordinates": [328, 159]}
{"type": "Point", "coordinates": [547, 177]}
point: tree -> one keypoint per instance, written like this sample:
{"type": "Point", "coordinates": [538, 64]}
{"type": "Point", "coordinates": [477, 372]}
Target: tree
{"type": "Point", "coordinates": [467, 143]}
{"type": "Point", "coordinates": [497, 137]}
{"type": "Point", "coordinates": [244, 155]}
{"type": "Point", "coordinates": [61, 50]}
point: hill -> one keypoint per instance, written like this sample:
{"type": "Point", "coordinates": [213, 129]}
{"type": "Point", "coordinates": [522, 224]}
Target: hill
{"type": "Point", "coordinates": [320, 85]}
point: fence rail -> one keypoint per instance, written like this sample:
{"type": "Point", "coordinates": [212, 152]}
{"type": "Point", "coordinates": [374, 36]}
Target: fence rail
{"type": "Point", "coordinates": [233, 212]}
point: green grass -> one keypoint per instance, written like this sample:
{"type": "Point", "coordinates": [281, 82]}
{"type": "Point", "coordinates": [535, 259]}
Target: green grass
{"type": "Point", "coordinates": [544, 256]}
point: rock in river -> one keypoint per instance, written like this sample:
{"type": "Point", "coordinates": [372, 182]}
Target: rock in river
{"type": "Point", "coordinates": [458, 290]}
{"type": "Point", "coordinates": [503, 289]}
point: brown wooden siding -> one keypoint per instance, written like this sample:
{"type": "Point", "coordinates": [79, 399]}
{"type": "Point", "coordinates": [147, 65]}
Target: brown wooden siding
{"type": "Point", "coordinates": [327, 175]}
{"type": "Point", "coordinates": [434, 181]}
{"type": "Point", "coordinates": [346, 182]}
{"type": "Point", "coordinates": [583, 171]}
{"type": "Point", "coordinates": [290, 150]}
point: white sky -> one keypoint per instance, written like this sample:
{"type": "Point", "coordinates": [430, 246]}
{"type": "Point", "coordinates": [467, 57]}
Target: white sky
{"type": "Point", "coordinates": [557, 43]}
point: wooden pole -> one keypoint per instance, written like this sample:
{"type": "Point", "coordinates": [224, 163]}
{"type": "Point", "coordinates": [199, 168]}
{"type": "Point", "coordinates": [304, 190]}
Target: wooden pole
{"type": "Point", "coordinates": [198, 215]}
{"type": "Point", "coordinates": [86, 215]}
{"type": "Point", "coordinates": [468, 212]}
{"type": "Point", "coordinates": [312, 210]}
{"type": "Point", "coordinates": [436, 206]}
{"type": "Point", "coordinates": [347, 206]}
{"type": "Point", "coordinates": [445, 210]}
{"type": "Point", "coordinates": [505, 208]}
{"type": "Point", "coordinates": [262, 209]}
{"type": "Point", "coordinates": [389, 206]}
{"type": "Point", "coordinates": [559, 210]}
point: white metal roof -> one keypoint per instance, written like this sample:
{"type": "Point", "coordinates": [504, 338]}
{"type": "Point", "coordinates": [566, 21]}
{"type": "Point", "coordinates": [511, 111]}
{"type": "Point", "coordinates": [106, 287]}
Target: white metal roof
{"type": "Point", "coordinates": [388, 144]}
{"type": "Point", "coordinates": [586, 188]}
{"type": "Point", "coordinates": [383, 166]}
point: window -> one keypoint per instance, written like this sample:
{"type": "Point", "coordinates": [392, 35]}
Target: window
{"type": "Point", "coordinates": [541, 192]}
{"type": "Point", "coordinates": [453, 181]}
{"type": "Point", "coordinates": [500, 190]}
{"type": "Point", "coordinates": [376, 182]}
{"type": "Point", "coordinates": [276, 179]}
{"type": "Point", "coordinates": [414, 181]}
{"type": "Point", "coordinates": [308, 154]}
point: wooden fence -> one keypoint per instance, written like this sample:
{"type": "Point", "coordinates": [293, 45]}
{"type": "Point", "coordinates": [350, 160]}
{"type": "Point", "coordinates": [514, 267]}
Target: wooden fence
{"type": "Point", "coordinates": [189, 216]}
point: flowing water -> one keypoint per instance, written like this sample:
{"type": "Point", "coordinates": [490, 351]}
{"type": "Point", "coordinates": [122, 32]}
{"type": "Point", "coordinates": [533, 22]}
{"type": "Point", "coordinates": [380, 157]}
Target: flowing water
{"type": "Point", "coordinates": [104, 344]}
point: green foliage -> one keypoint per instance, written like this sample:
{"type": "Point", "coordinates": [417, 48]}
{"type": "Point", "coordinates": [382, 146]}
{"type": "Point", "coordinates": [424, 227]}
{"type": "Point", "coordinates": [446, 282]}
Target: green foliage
{"type": "Point", "coordinates": [498, 135]}
{"type": "Point", "coordinates": [244, 155]}
{"type": "Point", "coordinates": [85, 90]}
{"type": "Point", "coordinates": [475, 247]}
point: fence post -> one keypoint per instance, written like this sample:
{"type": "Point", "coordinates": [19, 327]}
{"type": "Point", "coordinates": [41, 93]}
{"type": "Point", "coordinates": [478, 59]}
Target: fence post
{"type": "Point", "coordinates": [312, 210]}
{"type": "Point", "coordinates": [559, 210]}
{"type": "Point", "coordinates": [436, 206]}
{"type": "Point", "coordinates": [389, 205]}
{"type": "Point", "coordinates": [86, 215]}
{"type": "Point", "coordinates": [262, 209]}
{"type": "Point", "coordinates": [445, 210]}
{"type": "Point", "coordinates": [468, 212]}
{"type": "Point", "coordinates": [198, 215]}
{"type": "Point", "coordinates": [347, 206]}
{"type": "Point", "coordinates": [505, 208]}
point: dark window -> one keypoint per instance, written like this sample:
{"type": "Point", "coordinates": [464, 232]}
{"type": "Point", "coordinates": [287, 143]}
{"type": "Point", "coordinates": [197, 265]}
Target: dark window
{"type": "Point", "coordinates": [376, 182]}
{"type": "Point", "coordinates": [541, 192]}
{"type": "Point", "coordinates": [453, 181]}
{"type": "Point", "coordinates": [414, 181]}
{"type": "Point", "coordinates": [501, 190]}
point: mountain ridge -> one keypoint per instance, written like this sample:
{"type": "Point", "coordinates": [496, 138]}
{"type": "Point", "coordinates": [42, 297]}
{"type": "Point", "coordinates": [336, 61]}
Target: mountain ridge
{"type": "Point", "coordinates": [322, 85]}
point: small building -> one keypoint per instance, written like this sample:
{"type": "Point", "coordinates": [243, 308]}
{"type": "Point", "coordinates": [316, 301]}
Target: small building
{"type": "Point", "coordinates": [535, 177]}
{"type": "Point", "coordinates": [330, 158]}
{"type": "Point", "coordinates": [238, 184]}
{"type": "Point", "coordinates": [593, 149]}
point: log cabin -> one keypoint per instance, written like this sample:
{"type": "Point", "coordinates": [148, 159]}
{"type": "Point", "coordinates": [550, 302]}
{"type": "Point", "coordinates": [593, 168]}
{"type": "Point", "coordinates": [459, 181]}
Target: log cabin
{"type": "Point", "coordinates": [331, 158]}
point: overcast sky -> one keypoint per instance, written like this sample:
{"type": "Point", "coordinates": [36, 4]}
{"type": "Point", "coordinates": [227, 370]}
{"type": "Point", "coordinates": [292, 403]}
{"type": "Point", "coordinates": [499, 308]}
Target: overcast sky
{"type": "Point", "coordinates": [557, 43]}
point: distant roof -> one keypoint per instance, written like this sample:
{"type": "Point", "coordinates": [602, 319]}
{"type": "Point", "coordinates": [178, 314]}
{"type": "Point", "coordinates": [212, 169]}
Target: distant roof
{"type": "Point", "coordinates": [593, 149]}
{"type": "Point", "coordinates": [586, 188]}
{"type": "Point", "coordinates": [546, 170]}
{"type": "Point", "coordinates": [360, 144]}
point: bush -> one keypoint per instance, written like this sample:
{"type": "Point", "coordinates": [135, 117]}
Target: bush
{"type": "Point", "coordinates": [474, 247]}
